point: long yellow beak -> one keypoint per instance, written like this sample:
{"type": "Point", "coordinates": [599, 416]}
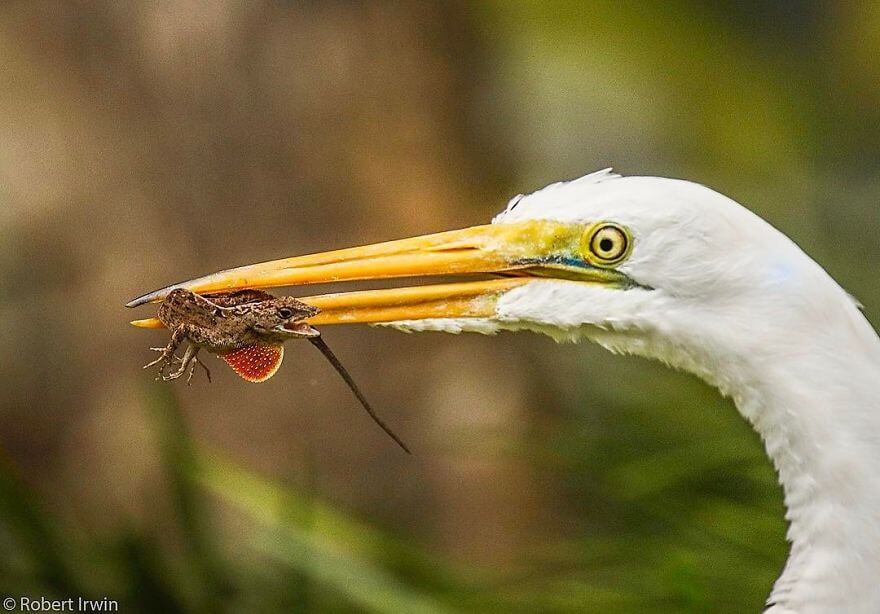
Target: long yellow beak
{"type": "Point", "coordinates": [519, 251]}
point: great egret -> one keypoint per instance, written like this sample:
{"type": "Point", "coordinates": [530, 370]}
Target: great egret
{"type": "Point", "coordinates": [674, 271]}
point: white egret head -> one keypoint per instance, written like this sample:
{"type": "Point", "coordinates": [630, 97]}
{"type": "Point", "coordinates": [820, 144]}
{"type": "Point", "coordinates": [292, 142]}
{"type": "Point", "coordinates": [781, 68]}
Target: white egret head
{"type": "Point", "coordinates": [691, 278]}
{"type": "Point", "coordinates": [675, 271]}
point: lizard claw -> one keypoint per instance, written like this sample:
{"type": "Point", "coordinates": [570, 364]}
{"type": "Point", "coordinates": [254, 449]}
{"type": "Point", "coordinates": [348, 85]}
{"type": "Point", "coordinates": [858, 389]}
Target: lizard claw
{"type": "Point", "coordinates": [161, 359]}
{"type": "Point", "coordinates": [166, 360]}
{"type": "Point", "coordinates": [183, 362]}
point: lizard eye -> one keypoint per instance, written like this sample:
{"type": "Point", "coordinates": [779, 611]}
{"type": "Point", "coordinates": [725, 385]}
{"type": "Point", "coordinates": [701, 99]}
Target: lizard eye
{"type": "Point", "coordinates": [285, 313]}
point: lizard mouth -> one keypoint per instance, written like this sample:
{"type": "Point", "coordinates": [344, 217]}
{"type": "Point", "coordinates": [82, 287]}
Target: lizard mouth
{"type": "Point", "coordinates": [298, 328]}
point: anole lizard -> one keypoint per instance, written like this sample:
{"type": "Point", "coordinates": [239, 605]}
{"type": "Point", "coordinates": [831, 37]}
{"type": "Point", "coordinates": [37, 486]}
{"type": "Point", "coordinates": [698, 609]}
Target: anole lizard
{"type": "Point", "coordinates": [247, 329]}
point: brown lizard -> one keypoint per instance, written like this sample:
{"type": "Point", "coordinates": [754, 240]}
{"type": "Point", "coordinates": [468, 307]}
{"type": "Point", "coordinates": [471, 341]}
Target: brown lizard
{"type": "Point", "coordinates": [247, 329]}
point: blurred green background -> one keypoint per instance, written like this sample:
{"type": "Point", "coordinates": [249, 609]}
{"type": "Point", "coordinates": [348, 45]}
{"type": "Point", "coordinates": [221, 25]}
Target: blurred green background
{"type": "Point", "coordinates": [144, 143]}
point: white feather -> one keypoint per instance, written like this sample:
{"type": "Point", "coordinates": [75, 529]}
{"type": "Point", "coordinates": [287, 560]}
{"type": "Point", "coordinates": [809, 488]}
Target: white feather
{"type": "Point", "coordinates": [737, 303]}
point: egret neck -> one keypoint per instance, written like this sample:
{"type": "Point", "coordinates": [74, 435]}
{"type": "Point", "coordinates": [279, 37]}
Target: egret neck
{"type": "Point", "coordinates": [812, 392]}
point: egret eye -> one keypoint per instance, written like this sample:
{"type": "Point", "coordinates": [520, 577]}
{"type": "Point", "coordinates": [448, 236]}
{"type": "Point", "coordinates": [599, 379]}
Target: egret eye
{"type": "Point", "coordinates": [609, 244]}
{"type": "Point", "coordinates": [285, 313]}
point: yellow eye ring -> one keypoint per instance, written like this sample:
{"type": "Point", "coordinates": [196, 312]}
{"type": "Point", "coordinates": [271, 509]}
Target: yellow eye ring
{"type": "Point", "coordinates": [609, 244]}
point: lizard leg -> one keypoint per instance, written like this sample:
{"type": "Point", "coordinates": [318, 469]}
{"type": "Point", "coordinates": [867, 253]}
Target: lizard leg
{"type": "Point", "coordinates": [167, 353]}
{"type": "Point", "coordinates": [193, 361]}
{"type": "Point", "coordinates": [205, 367]}
{"type": "Point", "coordinates": [184, 363]}
{"type": "Point", "coordinates": [192, 369]}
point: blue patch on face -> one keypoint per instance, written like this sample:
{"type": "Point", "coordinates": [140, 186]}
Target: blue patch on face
{"type": "Point", "coordinates": [560, 260]}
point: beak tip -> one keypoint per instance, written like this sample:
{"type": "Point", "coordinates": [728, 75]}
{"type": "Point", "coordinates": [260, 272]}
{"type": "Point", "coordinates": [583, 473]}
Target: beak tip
{"type": "Point", "coordinates": [141, 300]}
{"type": "Point", "coordinates": [151, 296]}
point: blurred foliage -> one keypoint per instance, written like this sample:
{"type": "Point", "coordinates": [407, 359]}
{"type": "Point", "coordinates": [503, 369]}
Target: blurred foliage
{"type": "Point", "coordinates": [294, 551]}
{"type": "Point", "coordinates": [146, 143]}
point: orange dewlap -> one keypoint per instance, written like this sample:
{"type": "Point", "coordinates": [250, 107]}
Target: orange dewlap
{"type": "Point", "coordinates": [255, 363]}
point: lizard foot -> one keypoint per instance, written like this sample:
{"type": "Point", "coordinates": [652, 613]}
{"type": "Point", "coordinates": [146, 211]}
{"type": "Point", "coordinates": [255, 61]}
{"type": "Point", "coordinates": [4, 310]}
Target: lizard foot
{"type": "Point", "coordinates": [167, 377]}
{"type": "Point", "coordinates": [166, 359]}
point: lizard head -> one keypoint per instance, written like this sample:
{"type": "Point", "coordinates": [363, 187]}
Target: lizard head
{"type": "Point", "coordinates": [282, 318]}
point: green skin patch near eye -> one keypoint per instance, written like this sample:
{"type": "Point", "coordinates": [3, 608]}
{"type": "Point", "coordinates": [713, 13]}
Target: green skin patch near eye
{"type": "Point", "coordinates": [562, 250]}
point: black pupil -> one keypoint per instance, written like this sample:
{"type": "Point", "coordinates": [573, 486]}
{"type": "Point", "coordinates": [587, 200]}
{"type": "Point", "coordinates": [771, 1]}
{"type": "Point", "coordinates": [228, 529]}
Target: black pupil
{"type": "Point", "coordinates": [606, 244]}
{"type": "Point", "coordinates": [285, 313]}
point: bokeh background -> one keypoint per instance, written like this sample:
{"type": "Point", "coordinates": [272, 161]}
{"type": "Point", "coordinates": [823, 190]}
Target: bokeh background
{"type": "Point", "coordinates": [144, 143]}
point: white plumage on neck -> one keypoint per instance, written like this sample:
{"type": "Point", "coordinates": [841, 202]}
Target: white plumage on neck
{"type": "Point", "coordinates": [729, 298]}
